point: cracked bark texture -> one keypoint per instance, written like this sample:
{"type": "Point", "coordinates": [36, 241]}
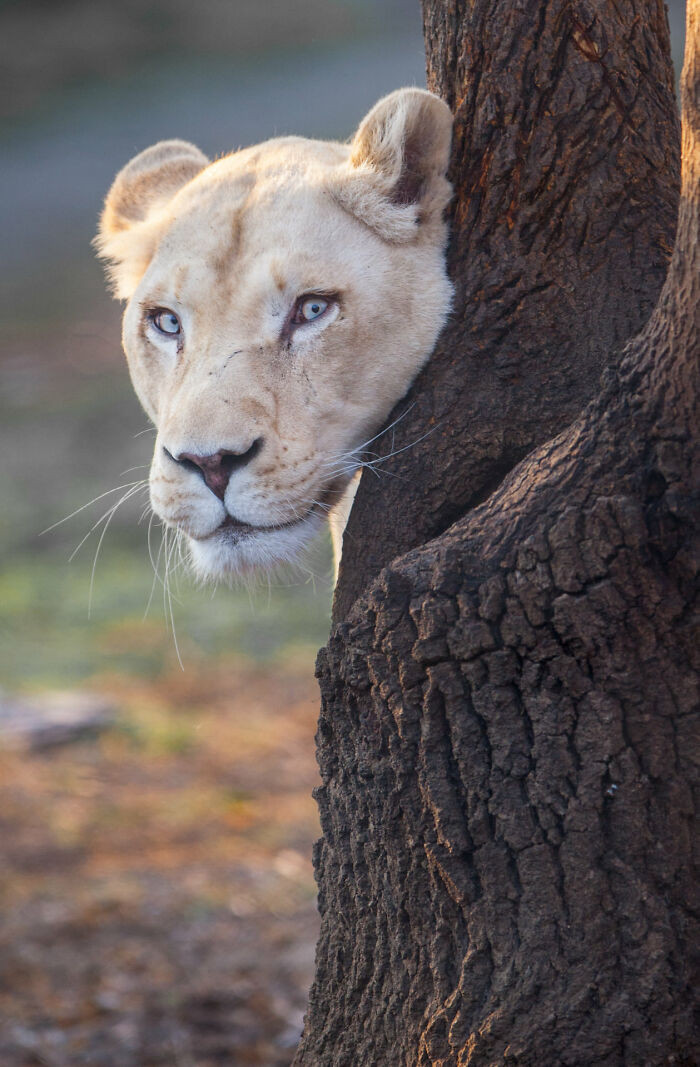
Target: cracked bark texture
{"type": "Point", "coordinates": [508, 738]}
{"type": "Point", "coordinates": [565, 168]}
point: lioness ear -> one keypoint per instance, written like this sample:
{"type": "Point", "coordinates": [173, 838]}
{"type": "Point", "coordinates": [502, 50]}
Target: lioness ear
{"type": "Point", "coordinates": [126, 236]}
{"type": "Point", "coordinates": [398, 161]}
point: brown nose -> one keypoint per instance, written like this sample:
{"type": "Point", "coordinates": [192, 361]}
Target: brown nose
{"type": "Point", "coordinates": [217, 468]}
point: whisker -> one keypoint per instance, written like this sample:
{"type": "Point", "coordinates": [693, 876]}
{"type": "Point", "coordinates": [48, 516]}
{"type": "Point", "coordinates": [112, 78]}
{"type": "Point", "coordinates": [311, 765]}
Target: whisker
{"type": "Point", "coordinates": [386, 429]}
{"type": "Point", "coordinates": [398, 451]}
{"type": "Point", "coordinates": [355, 457]}
{"type": "Point", "coordinates": [154, 563]}
{"type": "Point", "coordinates": [317, 503]}
{"type": "Point", "coordinates": [112, 513]}
{"type": "Point", "coordinates": [169, 572]}
{"type": "Point", "coordinates": [170, 605]}
{"type": "Point", "coordinates": [164, 545]}
{"type": "Point", "coordinates": [347, 463]}
{"type": "Point", "coordinates": [136, 487]}
{"type": "Point", "coordinates": [94, 500]}
{"type": "Point", "coordinates": [178, 569]}
{"type": "Point", "coordinates": [138, 467]}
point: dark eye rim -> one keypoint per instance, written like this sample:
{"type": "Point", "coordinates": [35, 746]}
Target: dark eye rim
{"type": "Point", "coordinates": [295, 319]}
{"type": "Point", "coordinates": [155, 313]}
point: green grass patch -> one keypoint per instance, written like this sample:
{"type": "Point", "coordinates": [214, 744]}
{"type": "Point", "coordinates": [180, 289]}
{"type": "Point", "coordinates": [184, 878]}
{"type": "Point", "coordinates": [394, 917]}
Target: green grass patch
{"type": "Point", "coordinates": [47, 637]}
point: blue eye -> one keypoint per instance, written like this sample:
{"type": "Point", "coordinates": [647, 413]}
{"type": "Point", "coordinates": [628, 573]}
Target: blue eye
{"type": "Point", "coordinates": [166, 322]}
{"type": "Point", "coordinates": [310, 308]}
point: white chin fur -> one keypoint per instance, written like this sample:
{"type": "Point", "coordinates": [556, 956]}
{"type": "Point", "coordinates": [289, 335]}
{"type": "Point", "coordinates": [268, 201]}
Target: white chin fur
{"type": "Point", "coordinates": [224, 556]}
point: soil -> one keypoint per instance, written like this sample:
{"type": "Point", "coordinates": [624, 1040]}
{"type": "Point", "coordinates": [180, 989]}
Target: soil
{"type": "Point", "coordinates": [158, 903]}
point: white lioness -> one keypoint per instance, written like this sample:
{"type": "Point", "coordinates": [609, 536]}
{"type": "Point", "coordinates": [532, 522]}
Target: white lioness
{"type": "Point", "coordinates": [280, 302]}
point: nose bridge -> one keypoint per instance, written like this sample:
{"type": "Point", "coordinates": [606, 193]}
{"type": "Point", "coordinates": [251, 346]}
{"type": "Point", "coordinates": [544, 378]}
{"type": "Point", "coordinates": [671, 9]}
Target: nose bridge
{"type": "Point", "coordinates": [211, 408]}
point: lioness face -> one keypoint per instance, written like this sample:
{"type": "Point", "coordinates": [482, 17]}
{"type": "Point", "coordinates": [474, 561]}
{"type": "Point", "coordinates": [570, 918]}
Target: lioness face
{"type": "Point", "coordinates": [280, 302]}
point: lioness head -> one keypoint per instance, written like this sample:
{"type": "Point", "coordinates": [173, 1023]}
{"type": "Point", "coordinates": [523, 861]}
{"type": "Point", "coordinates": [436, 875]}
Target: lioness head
{"type": "Point", "coordinates": [280, 302]}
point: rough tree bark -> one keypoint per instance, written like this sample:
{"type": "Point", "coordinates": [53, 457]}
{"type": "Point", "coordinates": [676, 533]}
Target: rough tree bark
{"type": "Point", "coordinates": [565, 167]}
{"type": "Point", "coordinates": [506, 737]}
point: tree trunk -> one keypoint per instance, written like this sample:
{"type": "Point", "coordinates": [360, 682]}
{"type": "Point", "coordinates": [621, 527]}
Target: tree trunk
{"type": "Point", "coordinates": [506, 738]}
{"type": "Point", "coordinates": [565, 168]}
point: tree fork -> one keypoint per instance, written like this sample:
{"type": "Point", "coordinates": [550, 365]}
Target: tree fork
{"type": "Point", "coordinates": [508, 737]}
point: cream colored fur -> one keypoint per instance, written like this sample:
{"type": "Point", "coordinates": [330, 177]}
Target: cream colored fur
{"type": "Point", "coordinates": [229, 247]}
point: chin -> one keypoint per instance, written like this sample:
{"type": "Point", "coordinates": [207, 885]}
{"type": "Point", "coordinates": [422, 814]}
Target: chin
{"type": "Point", "coordinates": [228, 554]}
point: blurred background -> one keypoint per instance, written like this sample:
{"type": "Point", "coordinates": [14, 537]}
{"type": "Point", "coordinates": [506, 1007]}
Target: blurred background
{"type": "Point", "coordinates": [156, 822]}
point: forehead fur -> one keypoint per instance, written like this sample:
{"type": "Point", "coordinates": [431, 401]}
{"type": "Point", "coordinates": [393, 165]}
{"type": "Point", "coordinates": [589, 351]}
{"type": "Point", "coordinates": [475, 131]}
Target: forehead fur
{"type": "Point", "coordinates": [266, 214]}
{"type": "Point", "coordinates": [283, 177]}
{"type": "Point", "coordinates": [390, 179]}
{"type": "Point", "coordinates": [277, 187]}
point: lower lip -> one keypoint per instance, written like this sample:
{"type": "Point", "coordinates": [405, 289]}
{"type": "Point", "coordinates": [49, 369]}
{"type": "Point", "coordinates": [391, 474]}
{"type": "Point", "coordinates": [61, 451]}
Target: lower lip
{"type": "Point", "coordinates": [237, 530]}
{"type": "Point", "coordinates": [230, 523]}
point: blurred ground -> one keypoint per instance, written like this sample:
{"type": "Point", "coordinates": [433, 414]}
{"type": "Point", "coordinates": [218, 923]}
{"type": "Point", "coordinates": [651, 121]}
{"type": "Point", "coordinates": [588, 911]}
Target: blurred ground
{"type": "Point", "coordinates": [157, 894]}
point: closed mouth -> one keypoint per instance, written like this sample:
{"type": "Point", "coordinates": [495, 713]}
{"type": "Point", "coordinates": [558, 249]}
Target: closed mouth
{"type": "Point", "coordinates": [239, 529]}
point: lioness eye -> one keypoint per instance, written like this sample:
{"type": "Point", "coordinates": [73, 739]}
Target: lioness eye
{"type": "Point", "coordinates": [166, 321]}
{"type": "Point", "coordinates": [312, 307]}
